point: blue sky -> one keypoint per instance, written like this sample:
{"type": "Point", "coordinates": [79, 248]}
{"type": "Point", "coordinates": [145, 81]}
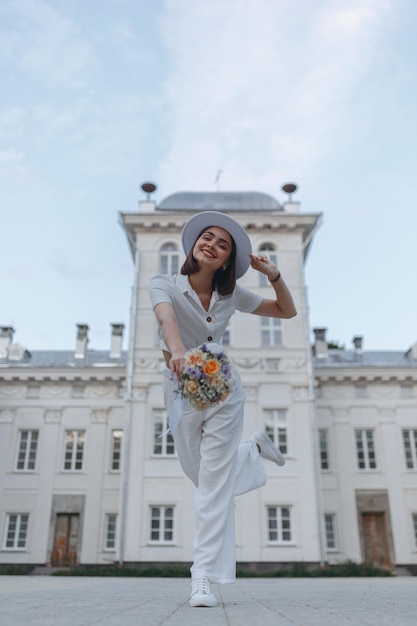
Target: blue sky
{"type": "Point", "coordinates": [98, 97]}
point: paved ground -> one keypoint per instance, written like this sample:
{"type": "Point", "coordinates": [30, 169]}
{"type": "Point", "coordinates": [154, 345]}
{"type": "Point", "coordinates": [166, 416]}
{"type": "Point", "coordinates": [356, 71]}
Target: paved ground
{"type": "Point", "coordinates": [47, 601]}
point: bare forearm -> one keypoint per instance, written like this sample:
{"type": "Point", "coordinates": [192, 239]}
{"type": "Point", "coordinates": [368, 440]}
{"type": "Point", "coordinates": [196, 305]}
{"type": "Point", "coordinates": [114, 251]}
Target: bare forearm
{"type": "Point", "coordinates": [283, 305]}
{"type": "Point", "coordinates": [172, 337]}
{"type": "Point", "coordinates": [284, 299]}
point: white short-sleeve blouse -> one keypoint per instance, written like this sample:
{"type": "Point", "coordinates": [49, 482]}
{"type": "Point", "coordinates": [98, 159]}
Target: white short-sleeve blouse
{"type": "Point", "coordinates": [195, 323]}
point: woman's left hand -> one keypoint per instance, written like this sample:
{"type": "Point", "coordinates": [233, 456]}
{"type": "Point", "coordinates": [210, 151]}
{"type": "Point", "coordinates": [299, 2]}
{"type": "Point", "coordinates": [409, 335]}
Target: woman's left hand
{"type": "Point", "coordinates": [261, 263]}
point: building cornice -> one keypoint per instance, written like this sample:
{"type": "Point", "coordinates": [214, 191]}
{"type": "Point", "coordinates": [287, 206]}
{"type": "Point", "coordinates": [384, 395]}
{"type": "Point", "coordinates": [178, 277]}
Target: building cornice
{"type": "Point", "coordinates": [261, 222]}
{"type": "Point", "coordinates": [365, 375]}
{"type": "Point", "coordinates": [28, 375]}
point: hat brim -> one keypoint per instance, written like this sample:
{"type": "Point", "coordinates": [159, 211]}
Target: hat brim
{"type": "Point", "coordinates": [200, 221]}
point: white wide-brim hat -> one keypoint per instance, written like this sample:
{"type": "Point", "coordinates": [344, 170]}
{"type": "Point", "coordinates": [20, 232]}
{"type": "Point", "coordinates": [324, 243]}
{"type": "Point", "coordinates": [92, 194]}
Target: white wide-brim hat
{"type": "Point", "coordinates": [200, 221]}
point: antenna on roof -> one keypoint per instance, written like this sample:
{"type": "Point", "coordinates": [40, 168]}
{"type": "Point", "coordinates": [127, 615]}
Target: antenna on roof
{"type": "Point", "coordinates": [148, 188]}
{"type": "Point", "coordinates": [217, 179]}
{"type": "Point", "coordinates": [289, 188]}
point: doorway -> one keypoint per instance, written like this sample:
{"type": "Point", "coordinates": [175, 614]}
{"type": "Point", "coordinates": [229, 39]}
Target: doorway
{"type": "Point", "coordinates": [375, 539]}
{"type": "Point", "coordinates": [66, 537]}
{"type": "Point", "coordinates": [374, 525]}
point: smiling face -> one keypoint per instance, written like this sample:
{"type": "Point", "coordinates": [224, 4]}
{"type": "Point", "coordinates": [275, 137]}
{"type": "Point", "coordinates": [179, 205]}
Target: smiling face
{"type": "Point", "coordinates": [213, 248]}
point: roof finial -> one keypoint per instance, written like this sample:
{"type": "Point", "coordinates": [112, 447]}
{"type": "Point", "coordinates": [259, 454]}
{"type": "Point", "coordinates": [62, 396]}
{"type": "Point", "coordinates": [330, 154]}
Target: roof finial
{"type": "Point", "coordinates": [289, 188]}
{"type": "Point", "coordinates": [148, 188]}
{"type": "Point", "coordinates": [217, 179]}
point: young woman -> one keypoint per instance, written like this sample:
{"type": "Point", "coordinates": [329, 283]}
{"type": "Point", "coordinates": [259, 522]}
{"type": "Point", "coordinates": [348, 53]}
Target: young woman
{"type": "Point", "coordinates": [193, 308]}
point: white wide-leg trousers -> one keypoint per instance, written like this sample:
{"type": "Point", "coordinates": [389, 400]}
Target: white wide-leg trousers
{"type": "Point", "coordinates": [207, 443]}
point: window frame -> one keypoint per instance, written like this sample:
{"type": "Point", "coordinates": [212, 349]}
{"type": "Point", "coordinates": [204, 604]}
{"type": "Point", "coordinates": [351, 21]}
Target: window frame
{"type": "Point", "coordinates": [74, 470]}
{"type": "Point", "coordinates": [324, 450]}
{"type": "Point", "coordinates": [272, 328]}
{"type": "Point", "coordinates": [169, 256]}
{"type": "Point", "coordinates": [279, 529]}
{"type": "Point", "coordinates": [365, 433]}
{"type": "Point", "coordinates": [227, 335]}
{"type": "Point", "coordinates": [162, 529]}
{"type": "Point", "coordinates": [333, 518]}
{"type": "Point", "coordinates": [165, 443]}
{"type": "Point", "coordinates": [410, 454]}
{"type": "Point", "coordinates": [17, 532]}
{"type": "Point", "coordinates": [114, 452]}
{"type": "Point", "coordinates": [275, 422]}
{"type": "Point", "coordinates": [27, 451]}
{"type": "Point", "coordinates": [108, 531]}
{"type": "Point", "coordinates": [414, 527]}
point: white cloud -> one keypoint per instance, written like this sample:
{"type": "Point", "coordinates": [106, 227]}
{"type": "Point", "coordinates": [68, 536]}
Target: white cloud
{"type": "Point", "coordinates": [12, 122]}
{"type": "Point", "coordinates": [253, 98]}
{"type": "Point", "coordinates": [11, 156]}
{"type": "Point", "coordinates": [45, 43]}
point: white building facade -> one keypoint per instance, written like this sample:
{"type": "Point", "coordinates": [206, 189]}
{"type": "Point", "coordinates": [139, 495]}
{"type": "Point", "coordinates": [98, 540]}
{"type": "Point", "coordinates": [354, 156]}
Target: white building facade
{"type": "Point", "coordinates": [86, 478]}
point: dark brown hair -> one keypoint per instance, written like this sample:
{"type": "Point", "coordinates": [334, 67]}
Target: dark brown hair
{"type": "Point", "coordinates": [223, 280]}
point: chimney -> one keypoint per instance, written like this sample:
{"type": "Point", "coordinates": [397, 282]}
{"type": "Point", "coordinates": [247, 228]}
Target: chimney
{"type": "Point", "coordinates": [82, 341]}
{"type": "Point", "coordinates": [320, 344]}
{"type": "Point", "coordinates": [116, 340]}
{"type": "Point", "coordinates": [358, 343]}
{"type": "Point", "coordinates": [6, 337]}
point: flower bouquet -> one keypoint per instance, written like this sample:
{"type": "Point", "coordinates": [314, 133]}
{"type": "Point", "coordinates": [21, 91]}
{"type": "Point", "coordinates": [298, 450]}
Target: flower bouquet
{"type": "Point", "coordinates": [207, 377]}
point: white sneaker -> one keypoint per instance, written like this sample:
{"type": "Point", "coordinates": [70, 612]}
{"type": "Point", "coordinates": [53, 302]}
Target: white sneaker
{"type": "Point", "coordinates": [200, 593]}
{"type": "Point", "coordinates": [267, 448]}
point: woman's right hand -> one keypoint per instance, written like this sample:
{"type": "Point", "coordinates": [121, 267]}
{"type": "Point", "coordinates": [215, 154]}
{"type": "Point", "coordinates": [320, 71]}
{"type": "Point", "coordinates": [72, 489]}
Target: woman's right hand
{"type": "Point", "coordinates": [176, 365]}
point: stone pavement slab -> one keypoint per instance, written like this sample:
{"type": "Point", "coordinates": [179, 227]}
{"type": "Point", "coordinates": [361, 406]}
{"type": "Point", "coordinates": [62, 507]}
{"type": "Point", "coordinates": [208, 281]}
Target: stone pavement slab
{"type": "Point", "coordinates": [82, 601]}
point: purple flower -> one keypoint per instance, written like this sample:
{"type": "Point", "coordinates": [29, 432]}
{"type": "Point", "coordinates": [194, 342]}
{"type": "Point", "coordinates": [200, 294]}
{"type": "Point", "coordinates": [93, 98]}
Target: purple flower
{"type": "Point", "coordinates": [226, 369]}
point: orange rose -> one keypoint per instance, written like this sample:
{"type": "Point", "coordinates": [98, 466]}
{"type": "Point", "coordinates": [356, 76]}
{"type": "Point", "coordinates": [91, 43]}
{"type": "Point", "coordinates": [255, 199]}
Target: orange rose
{"type": "Point", "coordinates": [191, 386]}
{"type": "Point", "coordinates": [195, 358]}
{"type": "Point", "coordinates": [215, 381]}
{"type": "Point", "coordinates": [211, 367]}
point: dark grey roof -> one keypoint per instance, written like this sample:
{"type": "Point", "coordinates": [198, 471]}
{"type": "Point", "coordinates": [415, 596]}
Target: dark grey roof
{"type": "Point", "coordinates": [65, 358]}
{"type": "Point", "coordinates": [220, 201]}
{"type": "Point", "coordinates": [368, 358]}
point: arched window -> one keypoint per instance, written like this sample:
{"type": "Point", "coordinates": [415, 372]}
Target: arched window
{"type": "Point", "coordinates": [269, 250]}
{"type": "Point", "coordinates": [169, 259]}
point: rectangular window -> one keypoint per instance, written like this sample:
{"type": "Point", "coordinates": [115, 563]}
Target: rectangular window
{"type": "Point", "coordinates": [330, 530]}
{"type": "Point", "coordinates": [324, 448]}
{"type": "Point", "coordinates": [414, 517]}
{"type": "Point", "coordinates": [16, 531]}
{"type": "Point", "coordinates": [365, 449]}
{"type": "Point", "coordinates": [271, 331]}
{"type": "Point", "coordinates": [169, 259]}
{"type": "Point", "coordinates": [162, 446]}
{"type": "Point", "coordinates": [410, 448]}
{"type": "Point", "coordinates": [161, 524]}
{"type": "Point", "coordinates": [116, 450]}
{"type": "Point", "coordinates": [275, 421]}
{"type": "Point", "coordinates": [279, 524]}
{"type": "Point", "coordinates": [111, 529]}
{"type": "Point", "coordinates": [27, 449]}
{"type": "Point", "coordinates": [74, 450]}
{"type": "Point", "coordinates": [226, 336]}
